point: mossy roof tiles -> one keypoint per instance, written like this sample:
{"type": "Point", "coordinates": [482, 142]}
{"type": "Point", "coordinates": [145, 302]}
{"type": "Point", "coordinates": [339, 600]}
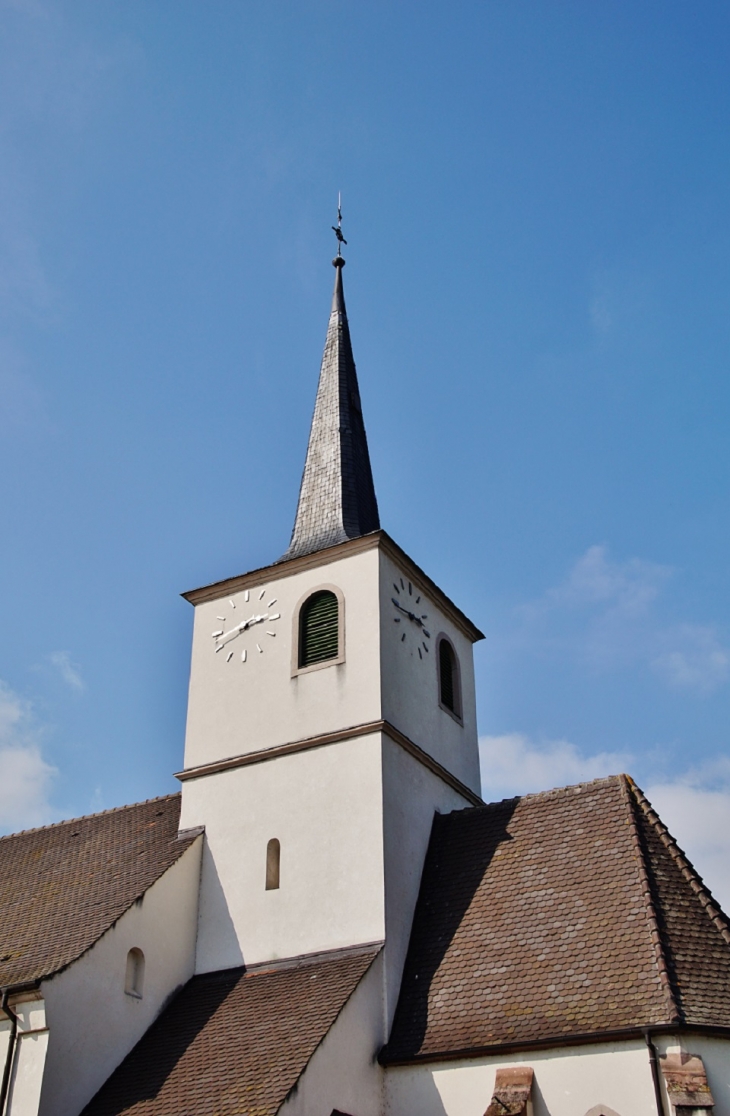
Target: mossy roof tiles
{"type": "Point", "coordinates": [62, 886]}
{"type": "Point", "coordinates": [555, 916]}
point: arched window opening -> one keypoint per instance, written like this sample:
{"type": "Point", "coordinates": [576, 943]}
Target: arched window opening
{"type": "Point", "coordinates": [319, 628]}
{"type": "Point", "coordinates": [273, 861]}
{"type": "Point", "coordinates": [449, 686]}
{"type": "Point", "coordinates": [134, 979]}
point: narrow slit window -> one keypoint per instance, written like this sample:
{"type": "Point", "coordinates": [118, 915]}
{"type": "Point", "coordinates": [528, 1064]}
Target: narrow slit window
{"type": "Point", "coordinates": [273, 862]}
{"type": "Point", "coordinates": [319, 629]}
{"type": "Point", "coordinates": [134, 977]}
{"type": "Point", "coordinates": [449, 678]}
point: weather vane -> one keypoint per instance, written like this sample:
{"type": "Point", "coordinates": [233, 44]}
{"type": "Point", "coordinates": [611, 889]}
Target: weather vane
{"type": "Point", "coordinates": [337, 229]}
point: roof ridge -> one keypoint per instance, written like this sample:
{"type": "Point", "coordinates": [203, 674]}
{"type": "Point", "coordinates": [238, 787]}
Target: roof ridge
{"type": "Point", "coordinates": [656, 938]}
{"type": "Point", "coordinates": [543, 793]}
{"type": "Point", "coordinates": [87, 817]}
{"type": "Point", "coordinates": [706, 899]}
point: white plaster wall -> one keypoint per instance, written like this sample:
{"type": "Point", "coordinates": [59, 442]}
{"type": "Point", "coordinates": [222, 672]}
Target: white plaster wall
{"type": "Point", "coordinates": [343, 1073]}
{"type": "Point", "coordinates": [325, 807]}
{"type": "Point", "coordinates": [93, 1024]}
{"type": "Point", "coordinates": [567, 1082]}
{"type": "Point", "coordinates": [28, 1059]}
{"type": "Point", "coordinates": [715, 1053]}
{"type": "Point", "coordinates": [236, 707]}
{"type": "Point", "coordinates": [411, 796]}
{"type": "Point", "coordinates": [410, 698]}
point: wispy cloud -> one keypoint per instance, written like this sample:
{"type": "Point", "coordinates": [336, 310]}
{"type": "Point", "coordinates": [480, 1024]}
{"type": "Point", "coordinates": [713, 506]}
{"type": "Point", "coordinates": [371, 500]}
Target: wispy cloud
{"type": "Point", "coordinates": [608, 613]}
{"type": "Point", "coordinates": [67, 670]}
{"type": "Point", "coordinates": [25, 776]}
{"type": "Point", "coordinates": [694, 805]}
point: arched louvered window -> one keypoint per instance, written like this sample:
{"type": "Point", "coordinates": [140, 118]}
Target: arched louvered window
{"type": "Point", "coordinates": [449, 681]}
{"type": "Point", "coordinates": [319, 628]}
{"type": "Point", "coordinates": [273, 864]}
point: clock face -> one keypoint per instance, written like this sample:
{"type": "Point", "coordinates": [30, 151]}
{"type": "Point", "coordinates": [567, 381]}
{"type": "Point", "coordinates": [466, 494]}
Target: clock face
{"type": "Point", "coordinates": [246, 624]}
{"type": "Point", "coordinates": [410, 615]}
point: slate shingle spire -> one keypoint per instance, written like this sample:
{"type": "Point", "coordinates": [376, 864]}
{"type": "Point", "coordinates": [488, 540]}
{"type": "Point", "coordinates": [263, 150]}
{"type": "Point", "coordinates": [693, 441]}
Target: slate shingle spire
{"type": "Point", "coordinates": [337, 496]}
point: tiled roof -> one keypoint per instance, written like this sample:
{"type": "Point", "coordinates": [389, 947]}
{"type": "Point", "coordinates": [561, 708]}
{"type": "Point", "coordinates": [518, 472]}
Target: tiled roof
{"type": "Point", "coordinates": [234, 1042]}
{"type": "Point", "coordinates": [63, 886]}
{"type": "Point", "coordinates": [337, 496]}
{"type": "Point", "coordinates": [557, 915]}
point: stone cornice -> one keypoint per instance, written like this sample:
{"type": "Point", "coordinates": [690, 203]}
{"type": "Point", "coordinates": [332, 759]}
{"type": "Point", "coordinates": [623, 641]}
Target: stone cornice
{"type": "Point", "coordinates": [379, 539]}
{"type": "Point", "coordinates": [324, 739]}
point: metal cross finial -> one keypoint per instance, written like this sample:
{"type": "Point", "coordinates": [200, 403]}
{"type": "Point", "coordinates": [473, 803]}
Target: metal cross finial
{"type": "Point", "coordinates": [337, 229]}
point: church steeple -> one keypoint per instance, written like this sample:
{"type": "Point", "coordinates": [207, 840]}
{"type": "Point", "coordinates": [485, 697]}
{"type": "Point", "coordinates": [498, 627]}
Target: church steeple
{"type": "Point", "coordinates": [337, 496]}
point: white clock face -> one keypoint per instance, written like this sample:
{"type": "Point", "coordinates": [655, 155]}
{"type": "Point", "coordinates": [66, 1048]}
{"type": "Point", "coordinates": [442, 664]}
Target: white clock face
{"type": "Point", "coordinates": [245, 626]}
{"type": "Point", "coordinates": [410, 615]}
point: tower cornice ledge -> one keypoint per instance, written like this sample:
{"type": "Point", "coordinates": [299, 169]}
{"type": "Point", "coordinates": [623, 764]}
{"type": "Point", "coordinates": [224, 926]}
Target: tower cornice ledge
{"type": "Point", "coordinates": [290, 566]}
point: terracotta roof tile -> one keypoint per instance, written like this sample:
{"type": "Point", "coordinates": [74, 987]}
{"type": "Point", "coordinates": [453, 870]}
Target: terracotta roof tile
{"type": "Point", "coordinates": [63, 886]}
{"type": "Point", "coordinates": [560, 914]}
{"type": "Point", "coordinates": [234, 1043]}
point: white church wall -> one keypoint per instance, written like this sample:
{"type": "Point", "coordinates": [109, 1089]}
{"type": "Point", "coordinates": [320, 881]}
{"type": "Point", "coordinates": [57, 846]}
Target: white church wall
{"type": "Point", "coordinates": [410, 683]}
{"type": "Point", "coordinates": [238, 707]}
{"type": "Point", "coordinates": [324, 805]}
{"type": "Point", "coordinates": [411, 796]}
{"type": "Point", "coordinates": [343, 1073]}
{"type": "Point", "coordinates": [93, 1023]}
{"type": "Point", "coordinates": [568, 1082]}
{"type": "Point", "coordinates": [29, 1058]}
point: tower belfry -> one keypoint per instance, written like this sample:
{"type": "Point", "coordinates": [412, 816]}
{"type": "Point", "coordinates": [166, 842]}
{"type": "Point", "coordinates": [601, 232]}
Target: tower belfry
{"type": "Point", "coordinates": [337, 495]}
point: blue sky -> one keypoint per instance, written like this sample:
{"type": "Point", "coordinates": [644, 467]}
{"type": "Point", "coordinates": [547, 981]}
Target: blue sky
{"type": "Point", "coordinates": [535, 199]}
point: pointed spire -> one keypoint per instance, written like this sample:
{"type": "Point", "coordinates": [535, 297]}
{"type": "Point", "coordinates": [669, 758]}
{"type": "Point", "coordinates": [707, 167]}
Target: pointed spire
{"type": "Point", "coordinates": [337, 496]}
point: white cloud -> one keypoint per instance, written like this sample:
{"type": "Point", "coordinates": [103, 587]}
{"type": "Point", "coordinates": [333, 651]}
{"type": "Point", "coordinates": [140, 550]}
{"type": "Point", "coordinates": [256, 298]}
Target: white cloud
{"type": "Point", "coordinates": [68, 671]}
{"type": "Point", "coordinates": [695, 806]}
{"type": "Point", "coordinates": [25, 777]}
{"type": "Point", "coordinates": [608, 614]}
{"type": "Point", "coordinates": [513, 764]}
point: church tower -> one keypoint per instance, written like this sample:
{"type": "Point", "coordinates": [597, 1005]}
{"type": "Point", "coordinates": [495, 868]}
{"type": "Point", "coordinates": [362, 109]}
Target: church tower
{"type": "Point", "coordinates": [331, 713]}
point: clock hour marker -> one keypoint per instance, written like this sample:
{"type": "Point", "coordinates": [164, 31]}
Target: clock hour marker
{"type": "Point", "coordinates": [403, 637]}
{"type": "Point", "coordinates": [410, 589]}
{"type": "Point", "coordinates": [419, 653]}
{"type": "Point", "coordinates": [244, 655]}
{"type": "Point", "coordinates": [418, 600]}
{"type": "Point", "coordinates": [245, 596]}
{"type": "Point", "coordinates": [425, 648]}
{"type": "Point", "coordinates": [271, 603]}
{"type": "Point", "coordinates": [260, 649]}
{"type": "Point", "coordinates": [270, 633]}
{"type": "Point", "coordinates": [229, 656]}
{"type": "Point", "coordinates": [396, 619]}
{"type": "Point", "coordinates": [402, 583]}
{"type": "Point", "coordinates": [231, 604]}
{"type": "Point", "coordinates": [262, 594]}
{"type": "Point", "coordinates": [427, 634]}
{"type": "Point", "coordinates": [221, 618]}
{"type": "Point", "coordinates": [396, 588]}
{"type": "Point", "coordinates": [216, 634]}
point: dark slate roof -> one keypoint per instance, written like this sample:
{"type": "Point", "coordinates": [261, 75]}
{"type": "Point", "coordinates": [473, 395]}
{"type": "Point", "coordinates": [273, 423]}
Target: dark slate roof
{"type": "Point", "coordinates": [63, 886]}
{"type": "Point", "coordinates": [337, 496]}
{"type": "Point", "coordinates": [557, 915]}
{"type": "Point", "coordinates": [234, 1043]}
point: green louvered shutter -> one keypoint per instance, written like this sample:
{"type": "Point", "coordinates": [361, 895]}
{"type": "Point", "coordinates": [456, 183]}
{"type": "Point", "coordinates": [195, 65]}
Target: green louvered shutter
{"type": "Point", "coordinates": [446, 671]}
{"type": "Point", "coordinates": [319, 635]}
